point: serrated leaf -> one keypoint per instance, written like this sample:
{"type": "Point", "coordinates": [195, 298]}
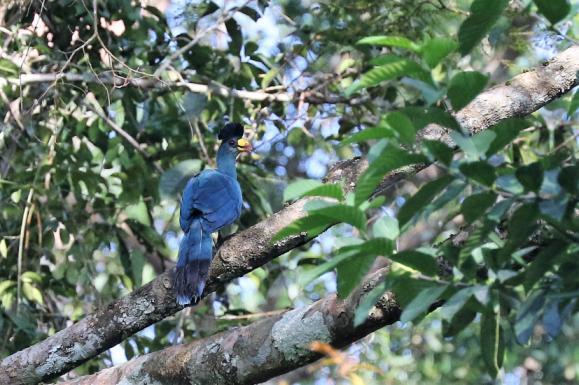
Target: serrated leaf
{"type": "Point", "coordinates": [330, 190]}
{"type": "Point", "coordinates": [368, 302]}
{"type": "Point", "coordinates": [351, 271]}
{"type": "Point", "coordinates": [298, 188]}
{"type": "Point", "coordinates": [475, 146]}
{"type": "Point", "coordinates": [474, 206]}
{"type": "Point", "coordinates": [436, 49]}
{"type": "Point", "coordinates": [173, 181]}
{"type": "Point", "coordinates": [422, 198]}
{"type": "Point", "coordinates": [390, 159]}
{"type": "Point", "coordinates": [481, 172]}
{"type": "Point", "coordinates": [392, 68]}
{"type": "Point", "coordinates": [553, 10]}
{"type": "Point", "coordinates": [317, 271]}
{"type": "Point", "coordinates": [343, 214]}
{"type": "Point", "coordinates": [421, 303]}
{"type": "Point", "coordinates": [416, 260]}
{"type": "Point", "coordinates": [390, 41]}
{"type": "Point", "coordinates": [464, 87]}
{"type": "Point", "coordinates": [530, 176]}
{"type": "Point", "coordinates": [492, 342]}
{"type": "Point", "coordinates": [483, 15]}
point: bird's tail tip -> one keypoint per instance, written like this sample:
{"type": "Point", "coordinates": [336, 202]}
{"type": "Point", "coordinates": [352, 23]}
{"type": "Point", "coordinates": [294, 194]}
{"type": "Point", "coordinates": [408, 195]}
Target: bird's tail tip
{"type": "Point", "coordinates": [185, 300]}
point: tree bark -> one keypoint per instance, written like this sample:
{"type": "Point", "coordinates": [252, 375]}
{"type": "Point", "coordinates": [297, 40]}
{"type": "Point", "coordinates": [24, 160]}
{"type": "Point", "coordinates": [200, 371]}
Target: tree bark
{"type": "Point", "coordinates": [252, 248]}
{"type": "Point", "coordinates": [259, 351]}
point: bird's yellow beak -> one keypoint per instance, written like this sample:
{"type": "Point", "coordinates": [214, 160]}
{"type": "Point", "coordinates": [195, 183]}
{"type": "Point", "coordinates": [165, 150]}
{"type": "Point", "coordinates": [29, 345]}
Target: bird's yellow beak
{"type": "Point", "coordinates": [243, 145]}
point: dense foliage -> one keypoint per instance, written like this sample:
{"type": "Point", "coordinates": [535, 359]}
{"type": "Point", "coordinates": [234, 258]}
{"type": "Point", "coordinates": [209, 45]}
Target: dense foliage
{"type": "Point", "coordinates": [93, 157]}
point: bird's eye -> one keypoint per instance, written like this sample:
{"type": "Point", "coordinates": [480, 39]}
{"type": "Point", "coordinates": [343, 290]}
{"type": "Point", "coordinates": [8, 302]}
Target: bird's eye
{"type": "Point", "coordinates": [232, 142]}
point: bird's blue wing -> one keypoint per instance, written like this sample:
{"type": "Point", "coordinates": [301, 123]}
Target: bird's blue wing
{"type": "Point", "coordinates": [213, 196]}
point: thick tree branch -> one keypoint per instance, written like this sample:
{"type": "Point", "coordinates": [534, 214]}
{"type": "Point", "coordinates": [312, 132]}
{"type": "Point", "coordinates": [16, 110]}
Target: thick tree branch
{"type": "Point", "coordinates": [252, 248]}
{"type": "Point", "coordinates": [259, 351]}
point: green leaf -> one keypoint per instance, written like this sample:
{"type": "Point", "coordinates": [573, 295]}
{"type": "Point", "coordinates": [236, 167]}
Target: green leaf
{"type": "Point", "coordinates": [438, 151]}
{"type": "Point", "coordinates": [311, 225]}
{"type": "Point", "coordinates": [422, 198]}
{"type": "Point", "coordinates": [317, 271]}
{"type": "Point", "coordinates": [531, 176]}
{"type": "Point", "coordinates": [553, 10]}
{"type": "Point", "coordinates": [372, 133]}
{"type": "Point", "coordinates": [351, 271]}
{"type": "Point", "coordinates": [506, 131]}
{"type": "Point", "coordinates": [436, 49]}
{"type": "Point", "coordinates": [8, 68]}
{"type": "Point", "coordinates": [390, 159]}
{"type": "Point", "coordinates": [390, 67]}
{"type": "Point", "coordinates": [459, 322]}
{"type": "Point", "coordinates": [481, 172]}
{"type": "Point", "coordinates": [548, 257]}
{"type": "Point", "coordinates": [569, 178]}
{"type": "Point", "coordinates": [492, 342]}
{"type": "Point", "coordinates": [298, 188]}
{"type": "Point", "coordinates": [138, 212]}
{"type": "Point", "coordinates": [523, 222]}
{"type": "Point", "coordinates": [330, 190]}
{"type": "Point", "coordinates": [574, 104]}
{"type": "Point", "coordinates": [455, 303]}
{"type": "Point", "coordinates": [421, 303]}
{"type": "Point", "coordinates": [483, 15]}
{"type": "Point", "coordinates": [3, 248]}
{"type": "Point", "coordinates": [474, 206]}
{"type": "Point", "coordinates": [386, 227]}
{"type": "Point", "coordinates": [416, 260]}
{"type": "Point", "coordinates": [402, 126]}
{"type": "Point", "coordinates": [32, 293]}
{"type": "Point", "coordinates": [343, 213]}
{"type": "Point", "coordinates": [422, 116]}
{"type": "Point", "coordinates": [464, 87]}
{"type": "Point", "coordinates": [390, 41]}
{"type": "Point", "coordinates": [368, 302]}
{"type": "Point", "coordinates": [475, 146]}
{"type": "Point", "coordinates": [173, 181]}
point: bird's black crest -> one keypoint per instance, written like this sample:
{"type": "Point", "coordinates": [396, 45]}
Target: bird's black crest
{"type": "Point", "coordinates": [231, 130]}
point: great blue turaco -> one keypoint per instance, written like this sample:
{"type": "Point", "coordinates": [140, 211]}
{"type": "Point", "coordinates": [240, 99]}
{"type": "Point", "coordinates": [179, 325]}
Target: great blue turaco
{"type": "Point", "coordinates": [211, 200]}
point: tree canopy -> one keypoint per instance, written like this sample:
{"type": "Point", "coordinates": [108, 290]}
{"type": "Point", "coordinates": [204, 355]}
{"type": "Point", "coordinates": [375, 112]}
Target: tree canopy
{"type": "Point", "coordinates": [414, 166]}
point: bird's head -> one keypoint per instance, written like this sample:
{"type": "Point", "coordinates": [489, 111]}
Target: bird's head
{"type": "Point", "coordinates": [232, 137]}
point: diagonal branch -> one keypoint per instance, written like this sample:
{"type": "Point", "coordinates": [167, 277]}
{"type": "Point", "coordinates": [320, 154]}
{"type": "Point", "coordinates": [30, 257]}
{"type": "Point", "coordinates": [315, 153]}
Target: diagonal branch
{"type": "Point", "coordinates": [259, 351]}
{"type": "Point", "coordinates": [252, 248]}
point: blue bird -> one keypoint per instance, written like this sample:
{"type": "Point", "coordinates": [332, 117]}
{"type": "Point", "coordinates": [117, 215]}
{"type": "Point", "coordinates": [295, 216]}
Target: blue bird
{"type": "Point", "coordinates": [211, 200]}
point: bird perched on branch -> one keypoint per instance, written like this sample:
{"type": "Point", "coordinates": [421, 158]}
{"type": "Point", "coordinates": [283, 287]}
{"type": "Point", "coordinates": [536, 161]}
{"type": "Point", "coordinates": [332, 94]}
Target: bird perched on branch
{"type": "Point", "coordinates": [211, 200]}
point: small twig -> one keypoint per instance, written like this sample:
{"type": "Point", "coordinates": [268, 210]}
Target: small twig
{"type": "Point", "coordinates": [228, 317]}
{"type": "Point", "coordinates": [197, 131]}
{"type": "Point", "coordinates": [132, 141]}
{"type": "Point", "coordinates": [223, 17]}
{"type": "Point", "coordinates": [21, 247]}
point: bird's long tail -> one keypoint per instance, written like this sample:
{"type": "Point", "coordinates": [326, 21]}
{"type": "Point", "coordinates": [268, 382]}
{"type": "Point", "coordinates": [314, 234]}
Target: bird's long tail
{"type": "Point", "coordinates": [195, 253]}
